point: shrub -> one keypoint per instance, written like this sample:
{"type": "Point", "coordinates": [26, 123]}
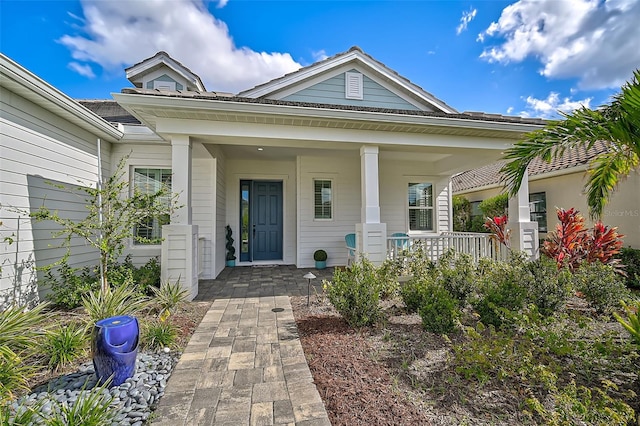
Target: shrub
{"type": "Point", "coordinates": [461, 213]}
{"type": "Point", "coordinates": [600, 285]}
{"type": "Point", "coordinates": [168, 296]}
{"type": "Point", "coordinates": [495, 206]}
{"type": "Point", "coordinates": [387, 276]}
{"type": "Point", "coordinates": [69, 285]}
{"type": "Point", "coordinates": [65, 344]}
{"type": "Point", "coordinates": [546, 287]}
{"type": "Point", "coordinates": [458, 275]}
{"type": "Point", "coordinates": [355, 294]}
{"type": "Point", "coordinates": [630, 258]}
{"type": "Point", "coordinates": [14, 375]}
{"type": "Point", "coordinates": [92, 408]}
{"type": "Point", "coordinates": [121, 300]}
{"type": "Point", "coordinates": [572, 244]}
{"type": "Point", "coordinates": [438, 310]}
{"type": "Point", "coordinates": [500, 291]}
{"type": "Point", "coordinates": [632, 322]}
{"type": "Point", "coordinates": [159, 334]}
{"type": "Point", "coordinates": [320, 256]}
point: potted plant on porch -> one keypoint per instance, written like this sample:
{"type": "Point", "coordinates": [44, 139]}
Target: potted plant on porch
{"type": "Point", "coordinates": [320, 256]}
{"type": "Point", "coordinates": [231, 250]}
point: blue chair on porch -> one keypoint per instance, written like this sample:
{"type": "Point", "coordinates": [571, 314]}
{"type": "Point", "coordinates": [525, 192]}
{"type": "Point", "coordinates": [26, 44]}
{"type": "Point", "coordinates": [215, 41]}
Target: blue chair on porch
{"type": "Point", "coordinates": [350, 241]}
{"type": "Point", "coordinates": [401, 241]}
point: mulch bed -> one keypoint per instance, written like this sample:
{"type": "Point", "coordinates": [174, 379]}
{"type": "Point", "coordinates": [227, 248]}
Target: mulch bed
{"type": "Point", "coordinates": [355, 388]}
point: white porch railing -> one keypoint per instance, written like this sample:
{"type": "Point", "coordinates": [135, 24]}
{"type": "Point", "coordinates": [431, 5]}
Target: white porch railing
{"type": "Point", "coordinates": [477, 245]}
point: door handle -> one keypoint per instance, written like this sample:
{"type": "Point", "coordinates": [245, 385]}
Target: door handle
{"type": "Point", "coordinates": [254, 229]}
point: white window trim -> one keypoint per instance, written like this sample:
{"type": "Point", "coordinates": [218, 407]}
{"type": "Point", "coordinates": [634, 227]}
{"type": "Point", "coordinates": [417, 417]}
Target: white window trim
{"type": "Point", "coordinates": [420, 232]}
{"type": "Point", "coordinates": [353, 85]}
{"type": "Point", "coordinates": [132, 168]}
{"type": "Point", "coordinates": [333, 199]}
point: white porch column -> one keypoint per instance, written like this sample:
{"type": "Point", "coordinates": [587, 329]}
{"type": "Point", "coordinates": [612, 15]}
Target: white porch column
{"type": "Point", "coordinates": [524, 232]}
{"type": "Point", "coordinates": [371, 235]}
{"type": "Point", "coordinates": [179, 254]}
{"type": "Point", "coordinates": [181, 179]}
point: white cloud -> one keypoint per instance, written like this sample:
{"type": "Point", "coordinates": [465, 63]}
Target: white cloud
{"type": "Point", "coordinates": [222, 3]}
{"type": "Point", "coordinates": [510, 110]}
{"type": "Point", "coordinates": [117, 34]}
{"type": "Point", "coordinates": [84, 70]}
{"type": "Point", "coordinates": [465, 19]}
{"type": "Point", "coordinates": [320, 55]}
{"type": "Point", "coordinates": [593, 40]}
{"type": "Point", "coordinates": [549, 107]}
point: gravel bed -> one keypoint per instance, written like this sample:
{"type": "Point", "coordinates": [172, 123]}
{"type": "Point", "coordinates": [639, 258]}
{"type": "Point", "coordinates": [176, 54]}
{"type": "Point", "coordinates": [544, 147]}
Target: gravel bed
{"type": "Point", "coordinates": [134, 400]}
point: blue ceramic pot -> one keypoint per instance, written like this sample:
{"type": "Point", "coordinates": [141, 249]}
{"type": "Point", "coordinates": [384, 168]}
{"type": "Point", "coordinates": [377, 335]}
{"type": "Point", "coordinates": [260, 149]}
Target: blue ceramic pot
{"type": "Point", "coordinates": [115, 348]}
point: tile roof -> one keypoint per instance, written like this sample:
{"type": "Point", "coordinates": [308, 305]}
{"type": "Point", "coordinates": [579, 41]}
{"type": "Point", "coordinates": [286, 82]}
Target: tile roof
{"type": "Point", "coordinates": [110, 110]}
{"type": "Point", "coordinates": [490, 174]}
{"type": "Point", "coordinates": [231, 98]}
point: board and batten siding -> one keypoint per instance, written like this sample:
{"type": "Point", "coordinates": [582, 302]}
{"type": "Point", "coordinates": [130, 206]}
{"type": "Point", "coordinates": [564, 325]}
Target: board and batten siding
{"type": "Point", "coordinates": [344, 172]}
{"type": "Point", "coordinates": [332, 91]}
{"type": "Point", "coordinates": [219, 255]}
{"type": "Point", "coordinates": [394, 179]}
{"type": "Point", "coordinates": [285, 171]}
{"type": "Point", "coordinates": [38, 149]}
{"type": "Point", "coordinates": [203, 213]}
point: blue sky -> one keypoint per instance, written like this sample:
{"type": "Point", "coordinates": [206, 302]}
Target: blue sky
{"type": "Point", "coordinates": [523, 57]}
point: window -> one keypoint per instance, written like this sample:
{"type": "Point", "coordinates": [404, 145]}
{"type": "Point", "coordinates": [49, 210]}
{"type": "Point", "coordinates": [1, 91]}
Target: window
{"type": "Point", "coordinates": [420, 207]}
{"type": "Point", "coordinates": [164, 85]}
{"type": "Point", "coordinates": [353, 85]}
{"type": "Point", "coordinates": [322, 199]}
{"type": "Point", "coordinates": [150, 181]}
{"type": "Point", "coordinates": [538, 208]}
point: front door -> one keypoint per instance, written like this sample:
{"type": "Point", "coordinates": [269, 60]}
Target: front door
{"type": "Point", "coordinates": [261, 220]}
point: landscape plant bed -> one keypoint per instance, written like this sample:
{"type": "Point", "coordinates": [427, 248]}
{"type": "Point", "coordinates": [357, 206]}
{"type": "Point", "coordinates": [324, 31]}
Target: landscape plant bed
{"type": "Point", "coordinates": [397, 373]}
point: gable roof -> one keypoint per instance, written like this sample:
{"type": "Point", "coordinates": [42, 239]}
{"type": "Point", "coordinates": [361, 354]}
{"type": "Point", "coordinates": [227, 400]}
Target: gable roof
{"type": "Point", "coordinates": [490, 176]}
{"type": "Point", "coordinates": [354, 56]}
{"type": "Point", "coordinates": [159, 60]}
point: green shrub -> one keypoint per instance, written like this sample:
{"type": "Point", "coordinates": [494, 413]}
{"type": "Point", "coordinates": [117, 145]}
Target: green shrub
{"type": "Point", "coordinates": [600, 285]}
{"type": "Point", "coordinates": [121, 300]}
{"type": "Point", "coordinates": [387, 277]}
{"type": "Point", "coordinates": [632, 321]}
{"type": "Point", "coordinates": [630, 258]}
{"type": "Point", "coordinates": [495, 206]}
{"type": "Point", "coordinates": [69, 285]}
{"type": "Point", "coordinates": [461, 213]}
{"type": "Point", "coordinates": [144, 278]}
{"type": "Point", "coordinates": [413, 292]}
{"type": "Point", "coordinates": [22, 415]}
{"type": "Point", "coordinates": [65, 344]}
{"type": "Point", "coordinates": [355, 293]}
{"type": "Point", "coordinates": [159, 334]}
{"type": "Point", "coordinates": [168, 296]}
{"type": "Point", "coordinates": [546, 287]}
{"type": "Point", "coordinates": [92, 408]}
{"type": "Point", "coordinates": [438, 310]}
{"type": "Point", "coordinates": [500, 291]}
{"type": "Point", "coordinates": [458, 275]}
{"type": "Point", "coordinates": [14, 375]}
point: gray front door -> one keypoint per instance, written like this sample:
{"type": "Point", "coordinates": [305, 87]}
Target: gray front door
{"type": "Point", "coordinates": [265, 220]}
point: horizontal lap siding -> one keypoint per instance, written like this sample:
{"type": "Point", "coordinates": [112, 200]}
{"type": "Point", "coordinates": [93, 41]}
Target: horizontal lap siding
{"type": "Point", "coordinates": [141, 156]}
{"type": "Point", "coordinates": [203, 209]}
{"type": "Point", "coordinates": [39, 147]}
{"type": "Point", "coordinates": [331, 91]}
{"type": "Point", "coordinates": [394, 179]}
{"type": "Point", "coordinates": [328, 235]}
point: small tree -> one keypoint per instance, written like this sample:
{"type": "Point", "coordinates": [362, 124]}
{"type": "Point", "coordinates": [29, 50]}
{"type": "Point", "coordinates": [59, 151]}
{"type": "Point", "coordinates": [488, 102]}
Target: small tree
{"type": "Point", "coordinates": [114, 210]}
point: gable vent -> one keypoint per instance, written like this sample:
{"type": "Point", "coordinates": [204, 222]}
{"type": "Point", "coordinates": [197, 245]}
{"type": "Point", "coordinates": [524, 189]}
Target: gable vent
{"type": "Point", "coordinates": [353, 85]}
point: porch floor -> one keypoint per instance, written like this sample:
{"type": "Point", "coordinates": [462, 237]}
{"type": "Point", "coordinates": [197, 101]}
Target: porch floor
{"type": "Point", "coordinates": [244, 365]}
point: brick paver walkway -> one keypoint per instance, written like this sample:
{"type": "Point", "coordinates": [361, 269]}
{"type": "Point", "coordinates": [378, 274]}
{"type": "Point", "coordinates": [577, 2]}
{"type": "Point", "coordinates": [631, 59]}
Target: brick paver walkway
{"type": "Point", "coordinates": [244, 365]}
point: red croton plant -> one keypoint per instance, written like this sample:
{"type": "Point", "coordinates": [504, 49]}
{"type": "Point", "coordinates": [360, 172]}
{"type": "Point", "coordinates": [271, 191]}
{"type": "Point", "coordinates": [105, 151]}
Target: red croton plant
{"type": "Point", "coordinates": [498, 228]}
{"type": "Point", "coordinates": [572, 243]}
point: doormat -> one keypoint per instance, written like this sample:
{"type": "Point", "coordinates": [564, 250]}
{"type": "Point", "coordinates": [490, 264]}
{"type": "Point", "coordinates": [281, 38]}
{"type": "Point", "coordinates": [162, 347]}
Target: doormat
{"type": "Point", "coordinates": [264, 266]}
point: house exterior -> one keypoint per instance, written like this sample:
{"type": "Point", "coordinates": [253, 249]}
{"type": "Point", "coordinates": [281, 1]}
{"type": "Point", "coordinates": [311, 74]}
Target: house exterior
{"type": "Point", "coordinates": [345, 145]}
{"type": "Point", "coordinates": [559, 184]}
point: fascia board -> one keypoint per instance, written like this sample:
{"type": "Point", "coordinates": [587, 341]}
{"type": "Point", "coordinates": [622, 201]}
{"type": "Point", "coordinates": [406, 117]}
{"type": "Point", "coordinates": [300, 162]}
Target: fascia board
{"type": "Point", "coordinates": [133, 100]}
{"type": "Point", "coordinates": [47, 96]}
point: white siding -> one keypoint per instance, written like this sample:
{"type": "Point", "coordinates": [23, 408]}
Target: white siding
{"type": "Point", "coordinates": [236, 170]}
{"type": "Point", "coordinates": [203, 213]}
{"type": "Point", "coordinates": [322, 234]}
{"type": "Point", "coordinates": [39, 147]}
{"type": "Point", "coordinates": [394, 178]}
